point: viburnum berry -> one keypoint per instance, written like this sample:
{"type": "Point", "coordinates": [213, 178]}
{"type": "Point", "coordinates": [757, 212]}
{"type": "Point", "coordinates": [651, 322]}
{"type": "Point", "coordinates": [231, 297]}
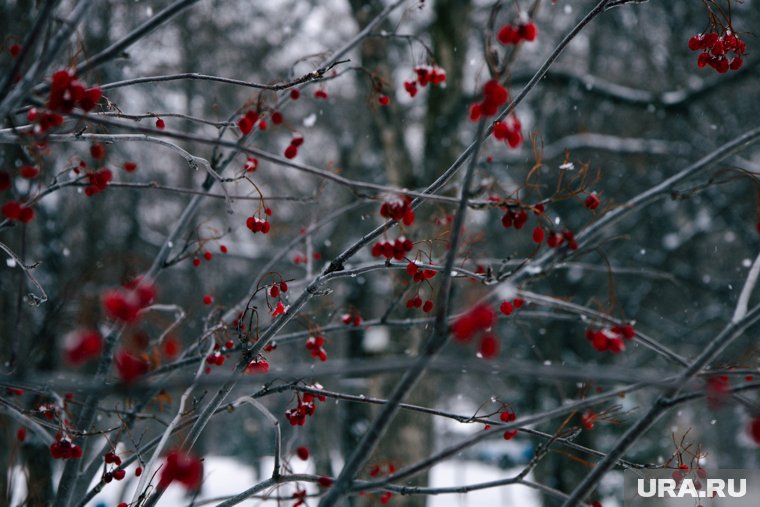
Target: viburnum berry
{"type": "Point", "coordinates": [302, 453]}
{"type": "Point", "coordinates": [494, 96]}
{"type": "Point", "coordinates": [98, 151]}
{"type": "Point", "coordinates": [479, 318]}
{"type": "Point", "coordinates": [295, 94]}
{"type": "Point", "coordinates": [130, 167]}
{"type": "Point", "coordinates": [258, 365]}
{"type": "Point", "coordinates": [21, 434]}
{"type": "Point", "coordinates": [398, 208]}
{"type": "Point", "coordinates": [129, 367]}
{"type": "Point", "coordinates": [14, 50]}
{"type": "Point", "coordinates": [509, 131]}
{"type": "Point", "coordinates": [489, 346]}
{"type": "Point", "coordinates": [511, 34]}
{"type": "Point", "coordinates": [223, 249]}
{"type": "Point", "coordinates": [28, 172]}
{"type": "Point", "coordinates": [160, 124]}
{"type": "Point", "coordinates": [183, 468]}
{"type": "Point", "coordinates": [62, 448]}
{"type": "Point", "coordinates": [82, 345]}
{"type": "Point", "coordinates": [279, 309]}
{"type": "Point", "coordinates": [715, 50]}
{"type": "Point", "coordinates": [411, 88]}
{"type": "Point", "coordinates": [386, 497]}
{"type": "Point", "coordinates": [257, 225]}
{"type": "Point", "coordinates": [291, 151]}
{"type": "Point", "coordinates": [315, 345]}
{"type": "Point", "coordinates": [245, 125]}
{"type": "Point", "coordinates": [196, 261]}
{"type": "Point", "coordinates": [207, 299]}
{"type": "Point", "coordinates": [320, 94]}
{"type": "Point", "coordinates": [396, 249]}
{"type": "Point", "coordinates": [592, 201]}
{"type": "Point", "coordinates": [538, 235]}
{"type": "Point", "coordinates": [506, 308]}
{"type": "Point", "coordinates": [277, 118]}
{"type": "Point", "coordinates": [67, 92]}
{"type": "Point", "coordinates": [428, 306]}
{"type": "Point", "coordinates": [98, 181]}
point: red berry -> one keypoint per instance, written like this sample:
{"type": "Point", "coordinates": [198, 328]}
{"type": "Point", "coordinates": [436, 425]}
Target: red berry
{"type": "Point", "coordinates": [302, 453]}
{"type": "Point", "coordinates": [508, 35]}
{"type": "Point", "coordinates": [160, 124]}
{"type": "Point", "coordinates": [29, 172]}
{"type": "Point", "coordinates": [21, 434]}
{"type": "Point", "coordinates": [98, 151]}
{"type": "Point", "coordinates": [26, 215]}
{"type": "Point", "coordinates": [384, 100]}
{"type": "Point", "coordinates": [428, 306]}
{"type": "Point", "coordinates": [274, 291]}
{"type": "Point", "coordinates": [130, 167]}
{"type": "Point", "coordinates": [291, 151]}
{"type": "Point", "coordinates": [528, 31]}
{"type": "Point", "coordinates": [320, 94]}
{"type": "Point", "coordinates": [506, 308]}
{"type": "Point", "coordinates": [14, 50]}
{"type": "Point", "coordinates": [208, 255]}
{"type": "Point", "coordinates": [592, 201]}
{"type": "Point", "coordinates": [196, 262]}
{"type": "Point", "coordinates": [11, 210]}
{"type": "Point", "coordinates": [295, 94]}
{"type": "Point", "coordinates": [538, 235]}
{"type": "Point", "coordinates": [489, 346]}
{"type": "Point", "coordinates": [223, 249]}
{"type": "Point", "coordinates": [207, 299]}
{"type": "Point", "coordinates": [277, 118]}
{"type": "Point", "coordinates": [245, 125]}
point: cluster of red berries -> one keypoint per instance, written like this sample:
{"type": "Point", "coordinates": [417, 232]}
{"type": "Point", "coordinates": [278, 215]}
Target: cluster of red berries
{"type": "Point", "coordinates": [494, 96]}
{"type": "Point", "coordinates": [129, 366]}
{"type": "Point", "coordinates": [610, 339]}
{"type": "Point", "coordinates": [13, 210]}
{"type": "Point", "coordinates": [97, 181]}
{"type": "Point", "coordinates": [351, 318]}
{"type": "Point", "coordinates": [516, 219]}
{"type": "Point", "coordinates": [183, 468]}
{"type": "Point", "coordinates": [82, 345]}
{"type": "Point", "coordinates": [509, 131]}
{"type": "Point", "coordinates": [416, 302]}
{"type": "Point", "coordinates": [249, 120]}
{"type": "Point", "coordinates": [715, 51]}
{"type": "Point", "coordinates": [118, 473]}
{"type": "Point", "coordinates": [276, 289]}
{"type": "Point", "coordinates": [417, 274]}
{"type": "Point", "coordinates": [125, 303]}
{"type": "Point", "coordinates": [217, 357]}
{"type": "Point", "coordinates": [507, 307]}
{"type": "Point", "coordinates": [426, 74]}
{"type": "Point", "coordinates": [305, 407]}
{"type": "Point", "coordinates": [43, 120]}
{"type": "Point", "coordinates": [321, 93]}
{"type": "Point", "coordinates": [62, 448]}
{"type": "Point", "coordinates": [514, 34]}
{"type": "Point", "coordinates": [396, 249]}
{"type": "Point", "coordinates": [589, 419]}
{"type": "Point", "coordinates": [258, 365]}
{"type": "Point", "coordinates": [478, 321]}
{"type": "Point", "coordinates": [314, 344]}
{"type": "Point", "coordinates": [508, 416]}
{"type": "Point", "coordinates": [208, 256]}
{"type": "Point", "coordinates": [398, 208]}
{"type": "Point", "coordinates": [256, 224]}
{"type": "Point", "coordinates": [556, 239]}
{"type": "Point", "coordinates": [67, 92]}
{"type": "Point", "coordinates": [292, 150]}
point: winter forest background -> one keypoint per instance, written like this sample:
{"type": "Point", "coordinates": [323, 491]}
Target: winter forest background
{"type": "Point", "coordinates": [196, 289]}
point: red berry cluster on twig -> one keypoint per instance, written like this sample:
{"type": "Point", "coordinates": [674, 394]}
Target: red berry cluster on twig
{"type": "Point", "coordinates": [425, 74]}
{"type": "Point", "coordinates": [314, 344]}
{"type": "Point", "coordinates": [398, 208]}
{"type": "Point", "coordinates": [715, 51]}
{"type": "Point", "coordinates": [494, 96]}
{"type": "Point", "coordinates": [514, 34]}
{"type": "Point", "coordinates": [396, 249]}
{"type": "Point", "coordinates": [305, 407]}
{"type": "Point", "coordinates": [183, 468]}
{"type": "Point", "coordinates": [478, 321]}
{"type": "Point", "coordinates": [611, 339]}
{"type": "Point", "coordinates": [509, 131]}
